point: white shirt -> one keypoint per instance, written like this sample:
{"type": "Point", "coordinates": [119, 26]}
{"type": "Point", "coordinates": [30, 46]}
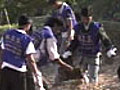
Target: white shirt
{"type": "Point", "coordinates": [30, 50]}
{"type": "Point", "coordinates": [51, 47]}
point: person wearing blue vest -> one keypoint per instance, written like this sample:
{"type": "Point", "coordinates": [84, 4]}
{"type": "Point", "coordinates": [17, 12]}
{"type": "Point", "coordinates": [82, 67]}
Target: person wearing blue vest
{"type": "Point", "coordinates": [49, 44]}
{"type": "Point", "coordinates": [89, 35]}
{"type": "Point", "coordinates": [64, 12]}
{"type": "Point", "coordinates": [17, 53]}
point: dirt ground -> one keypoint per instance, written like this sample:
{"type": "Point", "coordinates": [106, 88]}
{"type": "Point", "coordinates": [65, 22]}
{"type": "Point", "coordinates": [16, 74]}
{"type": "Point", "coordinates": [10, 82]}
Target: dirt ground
{"type": "Point", "coordinates": [108, 79]}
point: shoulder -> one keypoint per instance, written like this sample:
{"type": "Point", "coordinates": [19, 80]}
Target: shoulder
{"type": "Point", "coordinates": [9, 31]}
{"type": "Point", "coordinates": [47, 32]}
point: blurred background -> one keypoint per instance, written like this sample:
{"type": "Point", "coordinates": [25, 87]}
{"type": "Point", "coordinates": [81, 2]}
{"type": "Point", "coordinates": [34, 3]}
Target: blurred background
{"type": "Point", "coordinates": [11, 9]}
{"type": "Point", "coordinates": [105, 11]}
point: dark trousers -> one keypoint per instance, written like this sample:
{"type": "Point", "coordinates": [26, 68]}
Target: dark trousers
{"type": "Point", "coordinates": [29, 79]}
{"type": "Point", "coordinates": [12, 80]}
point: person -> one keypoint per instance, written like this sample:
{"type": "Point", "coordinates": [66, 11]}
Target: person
{"type": "Point", "coordinates": [48, 45]}
{"type": "Point", "coordinates": [17, 54]}
{"type": "Point", "coordinates": [89, 35]}
{"type": "Point", "coordinates": [65, 13]}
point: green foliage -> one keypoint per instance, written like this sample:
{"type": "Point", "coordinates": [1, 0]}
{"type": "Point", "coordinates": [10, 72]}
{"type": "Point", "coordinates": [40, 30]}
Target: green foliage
{"type": "Point", "coordinates": [5, 27]}
{"type": "Point", "coordinates": [2, 4]}
{"type": "Point", "coordinates": [102, 8]}
{"type": "Point", "coordinates": [117, 15]}
{"type": "Point", "coordinates": [30, 7]}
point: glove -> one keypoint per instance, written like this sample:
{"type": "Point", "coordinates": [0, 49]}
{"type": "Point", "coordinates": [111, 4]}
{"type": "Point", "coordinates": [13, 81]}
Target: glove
{"type": "Point", "coordinates": [112, 52]}
{"type": "Point", "coordinates": [38, 80]}
{"type": "Point", "coordinates": [66, 54]}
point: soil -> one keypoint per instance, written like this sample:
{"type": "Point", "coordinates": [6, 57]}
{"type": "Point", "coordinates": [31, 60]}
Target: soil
{"type": "Point", "coordinates": [108, 79]}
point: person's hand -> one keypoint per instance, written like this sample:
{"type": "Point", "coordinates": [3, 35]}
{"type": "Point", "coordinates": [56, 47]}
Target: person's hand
{"type": "Point", "coordinates": [70, 68]}
{"type": "Point", "coordinates": [112, 52]}
{"type": "Point", "coordinates": [66, 54]}
{"type": "Point", "coordinates": [38, 80]}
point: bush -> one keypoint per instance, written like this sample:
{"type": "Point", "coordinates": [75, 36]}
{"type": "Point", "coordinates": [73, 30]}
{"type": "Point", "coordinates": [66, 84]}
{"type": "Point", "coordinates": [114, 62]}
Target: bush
{"type": "Point", "coordinates": [5, 27]}
{"type": "Point", "coordinates": [116, 16]}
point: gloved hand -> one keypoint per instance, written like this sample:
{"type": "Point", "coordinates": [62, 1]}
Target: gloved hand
{"type": "Point", "coordinates": [66, 54]}
{"type": "Point", "coordinates": [38, 80]}
{"type": "Point", "coordinates": [112, 52]}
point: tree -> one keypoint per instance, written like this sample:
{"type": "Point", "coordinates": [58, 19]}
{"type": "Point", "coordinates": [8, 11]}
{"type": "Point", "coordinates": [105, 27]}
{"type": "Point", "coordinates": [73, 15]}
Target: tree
{"type": "Point", "coordinates": [17, 7]}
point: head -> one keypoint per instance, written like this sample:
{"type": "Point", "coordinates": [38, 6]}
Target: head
{"type": "Point", "coordinates": [86, 15]}
{"type": "Point", "coordinates": [55, 24]}
{"type": "Point", "coordinates": [24, 23]}
{"type": "Point", "coordinates": [55, 3]}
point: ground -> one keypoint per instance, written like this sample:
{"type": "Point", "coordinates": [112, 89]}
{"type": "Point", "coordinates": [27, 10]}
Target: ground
{"type": "Point", "coordinates": [108, 79]}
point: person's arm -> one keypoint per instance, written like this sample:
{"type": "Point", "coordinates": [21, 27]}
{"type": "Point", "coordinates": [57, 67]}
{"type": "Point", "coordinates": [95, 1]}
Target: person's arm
{"type": "Point", "coordinates": [32, 64]}
{"type": "Point", "coordinates": [1, 50]}
{"type": "Point", "coordinates": [53, 54]}
{"type": "Point", "coordinates": [69, 24]}
{"type": "Point", "coordinates": [104, 38]}
{"type": "Point", "coordinates": [30, 50]}
{"type": "Point", "coordinates": [72, 47]}
{"type": "Point", "coordinates": [110, 49]}
{"type": "Point", "coordinates": [63, 64]}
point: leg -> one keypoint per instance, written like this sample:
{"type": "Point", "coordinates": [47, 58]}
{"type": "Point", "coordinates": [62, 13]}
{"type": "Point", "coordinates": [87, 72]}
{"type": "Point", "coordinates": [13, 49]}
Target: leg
{"type": "Point", "coordinates": [118, 72]}
{"type": "Point", "coordinates": [29, 80]}
{"type": "Point", "coordinates": [18, 80]}
{"type": "Point", "coordinates": [93, 73]}
{"type": "Point", "coordinates": [12, 80]}
{"type": "Point", "coordinates": [4, 80]}
{"type": "Point", "coordinates": [84, 69]}
{"type": "Point", "coordinates": [93, 69]}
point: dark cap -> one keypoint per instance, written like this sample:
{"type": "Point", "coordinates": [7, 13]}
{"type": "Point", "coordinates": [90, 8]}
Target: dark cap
{"type": "Point", "coordinates": [23, 20]}
{"type": "Point", "coordinates": [87, 11]}
{"type": "Point", "coordinates": [51, 1]}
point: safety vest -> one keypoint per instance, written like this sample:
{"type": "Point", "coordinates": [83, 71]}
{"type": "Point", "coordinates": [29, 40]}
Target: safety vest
{"type": "Point", "coordinates": [15, 46]}
{"type": "Point", "coordinates": [89, 42]}
{"type": "Point", "coordinates": [40, 42]}
{"type": "Point", "coordinates": [64, 13]}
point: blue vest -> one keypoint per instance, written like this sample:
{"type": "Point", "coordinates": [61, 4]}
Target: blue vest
{"type": "Point", "coordinates": [38, 36]}
{"type": "Point", "coordinates": [66, 13]}
{"type": "Point", "coordinates": [89, 42]}
{"type": "Point", "coordinates": [15, 46]}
